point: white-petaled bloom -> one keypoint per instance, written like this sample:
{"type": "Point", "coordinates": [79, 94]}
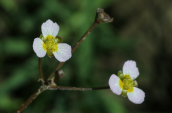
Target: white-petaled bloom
{"type": "Point", "coordinates": [49, 43]}
{"type": "Point", "coordinates": [124, 83]}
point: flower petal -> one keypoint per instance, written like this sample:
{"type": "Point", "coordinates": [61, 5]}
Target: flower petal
{"type": "Point", "coordinates": [63, 53]}
{"type": "Point", "coordinates": [137, 96]}
{"type": "Point", "coordinates": [38, 47]}
{"type": "Point", "coordinates": [130, 68]}
{"type": "Point", "coordinates": [114, 83]}
{"type": "Point", "coordinates": [49, 28]}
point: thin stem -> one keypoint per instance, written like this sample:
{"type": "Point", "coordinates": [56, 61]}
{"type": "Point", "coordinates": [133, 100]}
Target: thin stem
{"type": "Point", "coordinates": [43, 88]}
{"type": "Point", "coordinates": [100, 88]}
{"type": "Point", "coordinates": [85, 35]}
{"type": "Point", "coordinates": [76, 46]}
{"type": "Point", "coordinates": [40, 69]}
{"type": "Point", "coordinates": [77, 88]}
{"type": "Point", "coordinates": [40, 90]}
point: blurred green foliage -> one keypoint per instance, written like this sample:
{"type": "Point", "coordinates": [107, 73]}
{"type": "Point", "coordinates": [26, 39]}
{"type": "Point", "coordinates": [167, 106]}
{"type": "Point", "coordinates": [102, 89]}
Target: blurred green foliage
{"type": "Point", "coordinates": [102, 53]}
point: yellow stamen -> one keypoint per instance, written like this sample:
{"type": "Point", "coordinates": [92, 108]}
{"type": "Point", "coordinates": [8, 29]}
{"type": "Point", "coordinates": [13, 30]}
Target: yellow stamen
{"type": "Point", "coordinates": [44, 46]}
{"type": "Point", "coordinates": [127, 76]}
{"type": "Point", "coordinates": [48, 37]}
{"type": "Point", "coordinates": [120, 84]}
{"type": "Point", "coordinates": [130, 89]}
{"type": "Point", "coordinates": [55, 48]}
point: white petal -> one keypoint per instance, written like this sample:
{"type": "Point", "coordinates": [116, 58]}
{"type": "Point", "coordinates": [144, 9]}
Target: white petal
{"type": "Point", "coordinates": [38, 47]}
{"type": "Point", "coordinates": [114, 84]}
{"type": "Point", "coordinates": [137, 96]}
{"type": "Point", "coordinates": [130, 68]}
{"type": "Point", "coordinates": [49, 28]}
{"type": "Point", "coordinates": [63, 53]}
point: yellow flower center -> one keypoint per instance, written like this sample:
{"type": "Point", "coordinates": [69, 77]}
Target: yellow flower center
{"type": "Point", "coordinates": [120, 83]}
{"type": "Point", "coordinates": [50, 43]}
{"type": "Point", "coordinates": [44, 46]}
{"type": "Point", "coordinates": [127, 83]}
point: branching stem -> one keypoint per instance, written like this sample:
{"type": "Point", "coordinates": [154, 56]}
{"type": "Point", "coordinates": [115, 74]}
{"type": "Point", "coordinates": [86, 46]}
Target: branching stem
{"type": "Point", "coordinates": [101, 17]}
{"type": "Point", "coordinates": [32, 97]}
{"type": "Point", "coordinates": [52, 75]}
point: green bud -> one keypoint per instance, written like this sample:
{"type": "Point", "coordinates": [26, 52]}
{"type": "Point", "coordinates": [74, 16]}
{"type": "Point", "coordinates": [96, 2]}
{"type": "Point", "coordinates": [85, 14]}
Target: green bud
{"type": "Point", "coordinates": [49, 53]}
{"type": "Point", "coordinates": [124, 93]}
{"type": "Point", "coordinates": [58, 39]}
{"type": "Point", "coordinates": [135, 84]}
{"type": "Point", "coordinates": [120, 75]}
{"type": "Point", "coordinates": [119, 72]}
{"type": "Point", "coordinates": [42, 38]}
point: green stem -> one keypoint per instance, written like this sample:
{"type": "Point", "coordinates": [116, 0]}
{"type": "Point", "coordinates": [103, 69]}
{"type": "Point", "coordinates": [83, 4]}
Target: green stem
{"type": "Point", "coordinates": [77, 88]}
{"type": "Point", "coordinates": [75, 47]}
{"type": "Point", "coordinates": [31, 98]}
{"type": "Point", "coordinates": [40, 69]}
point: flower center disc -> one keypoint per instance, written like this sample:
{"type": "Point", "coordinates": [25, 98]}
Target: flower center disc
{"type": "Point", "coordinates": [128, 83]}
{"type": "Point", "coordinates": [50, 43]}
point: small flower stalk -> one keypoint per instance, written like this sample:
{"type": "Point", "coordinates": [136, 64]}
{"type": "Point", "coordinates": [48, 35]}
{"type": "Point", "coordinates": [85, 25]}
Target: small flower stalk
{"type": "Point", "coordinates": [50, 43]}
{"type": "Point", "coordinates": [125, 84]}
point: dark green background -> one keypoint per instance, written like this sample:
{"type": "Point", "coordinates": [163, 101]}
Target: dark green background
{"type": "Point", "coordinates": [141, 31]}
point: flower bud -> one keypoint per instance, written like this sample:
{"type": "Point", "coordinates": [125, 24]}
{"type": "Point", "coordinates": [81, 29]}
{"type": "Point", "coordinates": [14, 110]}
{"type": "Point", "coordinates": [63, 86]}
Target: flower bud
{"type": "Point", "coordinates": [120, 75]}
{"type": "Point", "coordinates": [58, 39]}
{"type": "Point", "coordinates": [102, 17]}
{"type": "Point", "coordinates": [124, 93]}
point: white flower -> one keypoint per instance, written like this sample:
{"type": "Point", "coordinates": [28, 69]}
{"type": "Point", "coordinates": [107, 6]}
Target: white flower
{"type": "Point", "coordinates": [48, 43]}
{"type": "Point", "coordinates": [124, 83]}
